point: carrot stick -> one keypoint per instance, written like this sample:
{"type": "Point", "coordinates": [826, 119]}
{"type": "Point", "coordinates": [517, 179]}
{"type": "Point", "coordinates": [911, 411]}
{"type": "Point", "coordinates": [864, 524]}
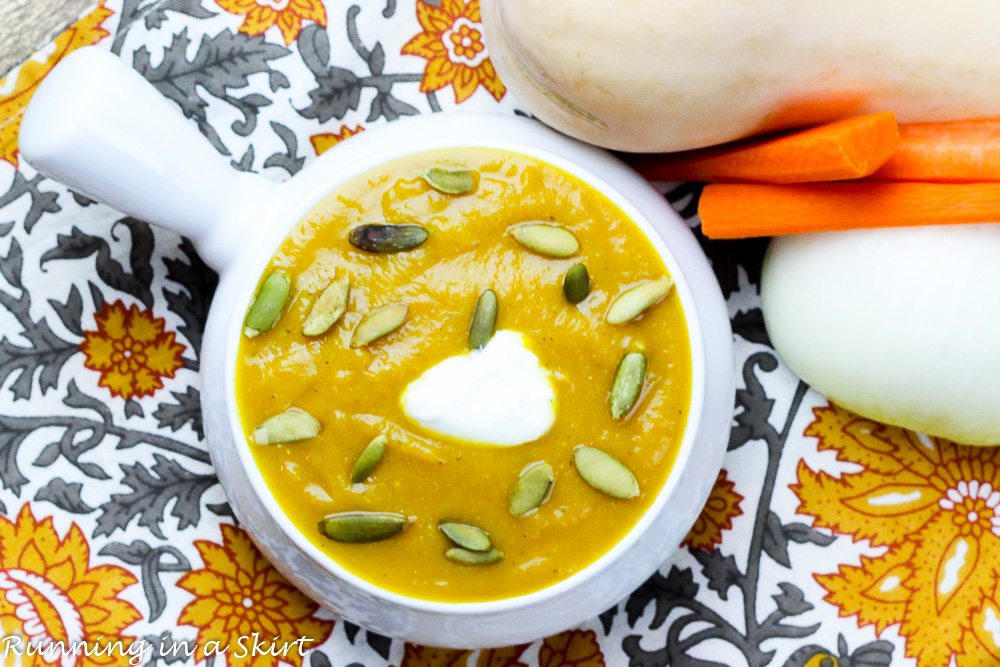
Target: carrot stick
{"type": "Point", "coordinates": [841, 150]}
{"type": "Point", "coordinates": [956, 152]}
{"type": "Point", "coordinates": [743, 211]}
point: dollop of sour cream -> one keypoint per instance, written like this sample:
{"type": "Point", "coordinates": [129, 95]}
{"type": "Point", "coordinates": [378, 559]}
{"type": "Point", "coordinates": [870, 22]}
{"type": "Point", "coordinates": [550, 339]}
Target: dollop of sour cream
{"type": "Point", "coordinates": [499, 395]}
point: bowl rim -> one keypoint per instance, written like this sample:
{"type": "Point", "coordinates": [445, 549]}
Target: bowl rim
{"type": "Point", "coordinates": [466, 130]}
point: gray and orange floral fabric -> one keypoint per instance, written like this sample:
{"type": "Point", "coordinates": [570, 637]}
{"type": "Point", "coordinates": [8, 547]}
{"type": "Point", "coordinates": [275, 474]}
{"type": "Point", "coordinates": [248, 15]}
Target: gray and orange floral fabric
{"type": "Point", "coordinates": [829, 540]}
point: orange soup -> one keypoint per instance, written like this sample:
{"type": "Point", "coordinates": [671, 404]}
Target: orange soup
{"type": "Point", "coordinates": [465, 375]}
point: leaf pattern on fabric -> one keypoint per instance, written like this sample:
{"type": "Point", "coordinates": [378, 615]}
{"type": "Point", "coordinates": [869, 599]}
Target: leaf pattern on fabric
{"type": "Point", "coordinates": [721, 571]}
{"type": "Point", "coordinates": [288, 160]}
{"type": "Point", "coordinates": [158, 12]}
{"type": "Point", "coordinates": [221, 64]}
{"type": "Point", "coordinates": [191, 294]}
{"type": "Point", "coordinates": [64, 495]}
{"type": "Point", "coordinates": [339, 89]}
{"type": "Point", "coordinates": [42, 202]}
{"type": "Point", "coordinates": [133, 281]}
{"type": "Point", "coordinates": [44, 353]}
{"type": "Point", "coordinates": [155, 487]}
{"type": "Point", "coordinates": [185, 412]}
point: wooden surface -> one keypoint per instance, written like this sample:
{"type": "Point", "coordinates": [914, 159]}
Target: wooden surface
{"type": "Point", "coordinates": [25, 25]}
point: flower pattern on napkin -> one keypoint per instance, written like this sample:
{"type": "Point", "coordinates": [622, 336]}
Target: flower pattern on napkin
{"type": "Point", "coordinates": [722, 507]}
{"type": "Point", "coordinates": [131, 350]}
{"type": "Point", "coordinates": [50, 591]}
{"type": "Point", "coordinates": [452, 43]}
{"type": "Point", "coordinates": [238, 593]}
{"type": "Point", "coordinates": [934, 508]}
{"type": "Point", "coordinates": [287, 15]}
{"type": "Point", "coordinates": [324, 141]}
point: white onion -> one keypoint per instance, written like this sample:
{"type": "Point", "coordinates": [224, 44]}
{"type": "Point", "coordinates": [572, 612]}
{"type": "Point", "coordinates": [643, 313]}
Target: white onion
{"type": "Point", "coordinates": [898, 325]}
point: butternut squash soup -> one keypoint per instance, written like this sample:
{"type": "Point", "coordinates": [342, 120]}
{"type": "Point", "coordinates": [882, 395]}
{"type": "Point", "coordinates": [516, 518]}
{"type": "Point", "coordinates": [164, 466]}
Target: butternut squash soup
{"type": "Point", "coordinates": [465, 375]}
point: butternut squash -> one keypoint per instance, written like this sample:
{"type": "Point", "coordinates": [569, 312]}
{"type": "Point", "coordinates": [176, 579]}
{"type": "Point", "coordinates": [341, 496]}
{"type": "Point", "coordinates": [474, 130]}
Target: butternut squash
{"type": "Point", "coordinates": [656, 76]}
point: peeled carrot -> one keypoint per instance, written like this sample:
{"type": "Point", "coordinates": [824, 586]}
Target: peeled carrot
{"type": "Point", "coordinates": [837, 151]}
{"type": "Point", "coordinates": [743, 211]}
{"type": "Point", "coordinates": [955, 152]}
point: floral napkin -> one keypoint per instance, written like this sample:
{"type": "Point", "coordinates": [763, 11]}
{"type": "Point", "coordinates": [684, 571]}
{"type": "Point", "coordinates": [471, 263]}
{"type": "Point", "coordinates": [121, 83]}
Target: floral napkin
{"type": "Point", "coordinates": [829, 540]}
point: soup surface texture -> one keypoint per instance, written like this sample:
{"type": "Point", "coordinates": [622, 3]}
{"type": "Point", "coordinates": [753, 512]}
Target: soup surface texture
{"type": "Point", "coordinates": [355, 393]}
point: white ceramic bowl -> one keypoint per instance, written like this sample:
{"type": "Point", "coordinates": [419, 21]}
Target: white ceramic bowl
{"type": "Point", "coordinates": [99, 127]}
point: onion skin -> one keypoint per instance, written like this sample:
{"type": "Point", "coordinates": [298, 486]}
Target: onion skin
{"type": "Point", "coordinates": [898, 325]}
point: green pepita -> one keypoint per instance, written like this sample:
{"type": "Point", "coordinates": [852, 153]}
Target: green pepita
{"type": "Point", "coordinates": [634, 301]}
{"type": "Point", "coordinates": [576, 284]}
{"type": "Point", "coordinates": [329, 307]}
{"type": "Point", "coordinates": [627, 386]}
{"type": "Point", "coordinates": [605, 473]}
{"type": "Point", "coordinates": [358, 527]}
{"type": "Point", "coordinates": [291, 425]}
{"type": "Point", "coordinates": [484, 320]}
{"type": "Point", "coordinates": [467, 557]}
{"type": "Point", "coordinates": [467, 536]}
{"type": "Point", "coordinates": [378, 323]}
{"type": "Point", "coordinates": [546, 239]}
{"type": "Point", "coordinates": [369, 459]}
{"type": "Point", "coordinates": [387, 238]}
{"type": "Point", "coordinates": [450, 181]}
{"type": "Point", "coordinates": [268, 305]}
{"type": "Point", "coordinates": [532, 488]}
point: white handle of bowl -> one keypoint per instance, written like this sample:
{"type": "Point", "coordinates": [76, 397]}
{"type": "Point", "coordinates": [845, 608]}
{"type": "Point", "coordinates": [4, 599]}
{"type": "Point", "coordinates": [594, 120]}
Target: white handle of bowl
{"type": "Point", "coordinates": [98, 126]}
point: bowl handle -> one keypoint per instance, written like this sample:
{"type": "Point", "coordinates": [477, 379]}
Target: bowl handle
{"type": "Point", "coordinates": [98, 126]}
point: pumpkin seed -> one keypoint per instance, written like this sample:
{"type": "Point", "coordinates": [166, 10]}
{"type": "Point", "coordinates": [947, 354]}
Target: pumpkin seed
{"type": "Point", "coordinates": [450, 181]}
{"type": "Point", "coordinates": [546, 239]}
{"type": "Point", "coordinates": [467, 536]}
{"type": "Point", "coordinates": [633, 302]}
{"type": "Point", "coordinates": [605, 473]}
{"type": "Point", "coordinates": [387, 238]}
{"type": "Point", "coordinates": [378, 323]}
{"type": "Point", "coordinates": [484, 320]}
{"type": "Point", "coordinates": [532, 488]}
{"type": "Point", "coordinates": [329, 307]}
{"type": "Point", "coordinates": [627, 386]}
{"type": "Point", "coordinates": [467, 557]}
{"type": "Point", "coordinates": [268, 305]}
{"type": "Point", "coordinates": [291, 425]}
{"type": "Point", "coordinates": [369, 459]}
{"type": "Point", "coordinates": [358, 527]}
{"type": "Point", "coordinates": [576, 284]}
